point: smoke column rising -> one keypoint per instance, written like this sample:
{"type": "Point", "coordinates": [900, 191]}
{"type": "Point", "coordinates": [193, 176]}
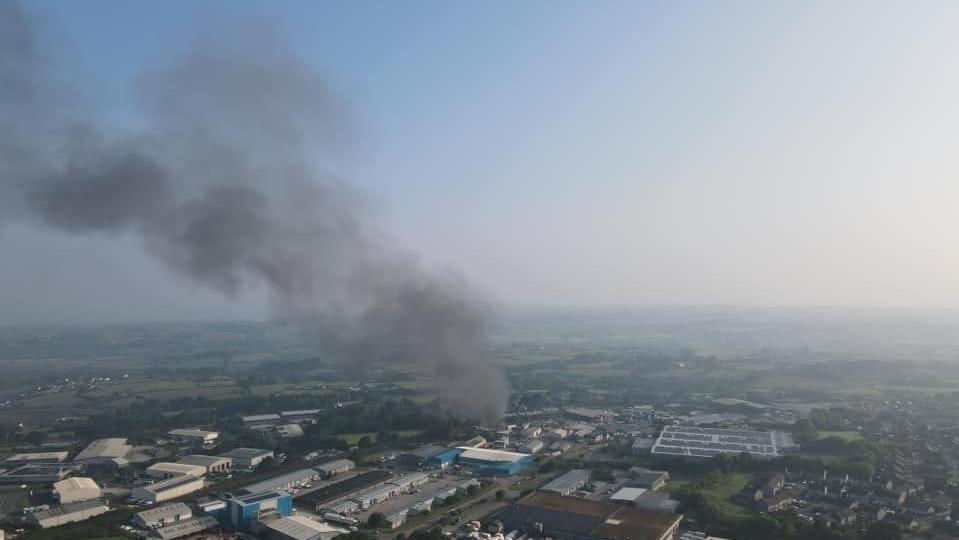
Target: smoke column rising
{"type": "Point", "coordinates": [222, 185]}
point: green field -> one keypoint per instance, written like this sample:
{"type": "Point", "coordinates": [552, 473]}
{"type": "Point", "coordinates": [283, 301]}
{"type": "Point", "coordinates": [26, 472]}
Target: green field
{"type": "Point", "coordinates": [720, 494]}
{"type": "Point", "coordinates": [848, 436]}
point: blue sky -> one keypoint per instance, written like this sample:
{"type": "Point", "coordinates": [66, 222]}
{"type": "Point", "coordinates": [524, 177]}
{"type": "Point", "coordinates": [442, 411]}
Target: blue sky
{"type": "Point", "coordinates": [587, 152]}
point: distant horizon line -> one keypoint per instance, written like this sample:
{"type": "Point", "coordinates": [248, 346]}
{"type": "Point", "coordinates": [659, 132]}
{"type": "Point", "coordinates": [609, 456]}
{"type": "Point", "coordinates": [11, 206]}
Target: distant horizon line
{"type": "Point", "coordinates": [520, 306]}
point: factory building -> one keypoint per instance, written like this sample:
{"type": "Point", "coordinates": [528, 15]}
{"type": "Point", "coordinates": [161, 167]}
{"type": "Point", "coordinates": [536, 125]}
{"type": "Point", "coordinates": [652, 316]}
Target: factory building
{"type": "Point", "coordinates": [534, 446]}
{"type": "Point", "coordinates": [211, 464]}
{"type": "Point", "coordinates": [247, 458]}
{"type": "Point", "coordinates": [335, 467]}
{"type": "Point", "coordinates": [164, 469]}
{"type": "Point", "coordinates": [567, 483]}
{"type": "Point", "coordinates": [68, 513]}
{"type": "Point", "coordinates": [375, 495]}
{"type": "Point", "coordinates": [572, 518]}
{"type": "Point", "coordinates": [645, 498]}
{"type": "Point", "coordinates": [489, 462]}
{"type": "Point", "coordinates": [328, 495]}
{"type": "Point", "coordinates": [301, 528]}
{"type": "Point", "coordinates": [161, 516]}
{"type": "Point", "coordinates": [76, 489]}
{"type": "Point", "coordinates": [397, 519]}
{"type": "Point", "coordinates": [441, 496]}
{"type": "Point", "coordinates": [184, 528]}
{"type": "Point", "coordinates": [168, 489]}
{"type": "Point", "coordinates": [648, 479]}
{"type": "Point", "coordinates": [213, 507]}
{"type": "Point", "coordinates": [261, 421]}
{"type": "Point", "coordinates": [306, 416]}
{"type": "Point", "coordinates": [109, 453]}
{"type": "Point", "coordinates": [386, 490]}
{"type": "Point", "coordinates": [343, 508]}
{"type": "Point", "coordinates": [289, 480]}
{"type": "Point", "coordinates": [439, 457]}
{"type": "Point", "coordinates": [36, 473]}
{"type": "Point", "coordinates": [196, 438]}
{"type": "Point", "coordinates": [244, 512]}
{"type": "Point", "coordinates": [410, 481]}
{"type": "Point", "coordinates": [17, 460]}
{"type": "Point", "coordinates": [476, 442]}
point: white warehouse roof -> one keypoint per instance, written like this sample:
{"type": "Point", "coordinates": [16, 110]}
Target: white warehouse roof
{"type": "Point", "coordinates": [203, 461]}
{"type": "Point", "coordinates": [78, 488]}
{"type": "Point", "coordinates": [104, 448]}
{"type": "Point", "coordinates": [166, 512]}
{"type": "Point", "coordinates": [37, 456]}
{"type": "Point", "coordinates": [488, 454]}
{"type": "Point", "coordinates": [193, 433]}
{"type": "Point", "coordinates": [176, 468]}
{"type": "Point", "coordinates": [303, 528]}
{"type": "Point", "coordinates": [76, 482]}
{"type": "Point", "coordinates": [628, 494]}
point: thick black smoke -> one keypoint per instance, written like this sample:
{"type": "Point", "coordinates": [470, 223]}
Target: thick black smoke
{"type": "Point", "coordinates": [222, 182]}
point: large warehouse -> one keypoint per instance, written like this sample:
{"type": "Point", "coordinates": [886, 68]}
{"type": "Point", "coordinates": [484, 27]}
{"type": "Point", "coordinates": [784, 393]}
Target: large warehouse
{"type": "Point", "coordinates": [568, 483]}
{"type": "Point", "coordinates": [488, 462]}
{"type": "Point", "coordinates": [301, 528]}
{"type": "Point", "coordinates": [572, 518]}
{"type": "Point", "coordinates": [105, 452]}
{"type": "Point", "coordinates": [36, 473]}
{"type": "Point", "coordinates": [164, 469]}
{"type": "Point", "coordinates": [184, 528]}
{"type": "Point", "coordinates": [37, 457]}
{"type": "Point", "coordinates": [327, 495]}
{"type": "Point", "coordinates": [76, 489]}
{"type": "Point", "coordinates": [198, 438]}
{"type": "Point", "coordinates": [335, 467]}
{"type": "Point", "coordinates": [247, 458]}
{"type": "Point", "coordinates": [68, 513]}
{"type": "Point", "coordinates": [212, 464]}
{"type": "Point", "coordinates": [171, 488]}
{"type": "Point", "coordinates": [299, 477]}
{"type": "Point", "coordinates": [698, 442]}
{"type": "Point", "coordinates": [162, 516]}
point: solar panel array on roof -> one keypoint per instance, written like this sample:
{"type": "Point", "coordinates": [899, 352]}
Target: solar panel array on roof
{"type": "Point", "coordinates": [709, 442]}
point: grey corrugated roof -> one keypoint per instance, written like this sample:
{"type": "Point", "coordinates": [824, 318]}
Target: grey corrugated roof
{"type": "Point", "coordinates": [68, 509]}
{"type": "Point", "coordinates": [566, 482]}
{"type": "Point", "coordinates": [185, 527]}
{"type": "Point", "coordinates": [163, 512]}
{"type": "Point", "coordinates": [282, 481]}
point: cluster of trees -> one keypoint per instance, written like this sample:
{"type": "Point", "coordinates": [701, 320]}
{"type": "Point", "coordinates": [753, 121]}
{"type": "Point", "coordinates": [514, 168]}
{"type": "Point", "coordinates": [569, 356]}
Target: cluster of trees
{"type": "Point", "coordinates": [146, 420]}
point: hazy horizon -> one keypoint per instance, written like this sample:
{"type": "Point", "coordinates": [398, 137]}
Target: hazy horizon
{"type": "Point", "coordinates": [622, 154]}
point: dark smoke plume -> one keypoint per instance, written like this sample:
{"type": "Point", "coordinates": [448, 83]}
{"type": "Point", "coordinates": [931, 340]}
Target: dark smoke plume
{"type": "Point", "coordinates": [222, 183]}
